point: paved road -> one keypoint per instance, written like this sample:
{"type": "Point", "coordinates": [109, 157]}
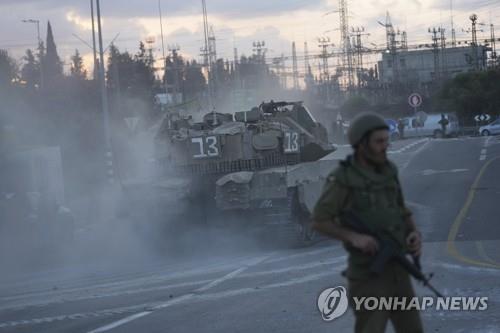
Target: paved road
{"type": "Point", "coordinates": [451, 184]}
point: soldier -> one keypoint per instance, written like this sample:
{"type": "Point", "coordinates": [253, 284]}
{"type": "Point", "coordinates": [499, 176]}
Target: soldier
{"type": "Point", "coordinates": [401, 128]}
{"type": "Point", "coordinates": [367, 183]}
{"type": "Point", "coordinates": [443, 122]}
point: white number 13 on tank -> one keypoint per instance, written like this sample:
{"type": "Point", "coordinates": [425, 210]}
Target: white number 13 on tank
{"type": "Point", "coordinates": [205, 147]}
{"type": "Point", "coordinates": [291, 142]}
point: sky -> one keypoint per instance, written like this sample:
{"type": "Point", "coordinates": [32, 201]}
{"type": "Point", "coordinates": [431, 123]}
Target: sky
{"type": "Point", "coordinates": [237, 24]}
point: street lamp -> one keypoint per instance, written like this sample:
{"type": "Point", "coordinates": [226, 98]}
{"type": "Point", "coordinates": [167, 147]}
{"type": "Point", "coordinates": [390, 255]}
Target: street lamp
{"type": "Point", "coordinates": [37, 27]}
{"type": "Point", "coordinates": [37, 22]}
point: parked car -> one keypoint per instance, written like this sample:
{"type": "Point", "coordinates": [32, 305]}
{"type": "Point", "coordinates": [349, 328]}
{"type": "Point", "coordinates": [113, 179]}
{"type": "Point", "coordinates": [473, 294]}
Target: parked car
{"type": "Point", "coordinates": [429, 125]}
{"type": "Point", "coordinates": [492, 128]}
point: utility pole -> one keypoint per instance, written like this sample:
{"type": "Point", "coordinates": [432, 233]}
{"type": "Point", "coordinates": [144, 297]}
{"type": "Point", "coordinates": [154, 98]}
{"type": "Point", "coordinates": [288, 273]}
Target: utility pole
{"type": "Point", "coordinates": [295, 69]}
{"type": "Point", "coordinates": [37, 22]}
{"type": "Point", "coordinates": [207, 59]}
{"type": "Point", "coordinates": [308, 77]}
{"type": "Point", "coordinates": [104, 101]}
{"type": "Point", "coordinates": [236, 68]}
{"type": "Point", "coordinates": [404, 41]}
{"type": "Point", "coordinates": [358, 47]}
{"type": "Point", "coordinates": [306, 59]}
{"type": "Point", "coordinates": [260, 51]}
{"type": "Point", "coordinates": [443, 53]}
{"type": "Point", "coordinates": [324, 42]}
{"type": "Point", "coordinates": [493, 46]}
{"type": "Point", "coordinates": [117, 88]}
{"type": "Point", "coordinates": [149, 42]}
{"type": "Point", "coordinates": [473, 19]}
{"type": "Point", "coordinates": [163, 51]}
{"type": "Point", "coordinates": [390, 35]}
{"type": "Point", "coordinates": [453, 35]}
{"type": "Point", "coordinates": [212, 59]}
{"type": "Point", "coordinates": [435, 50]}
{"type": "Point", "coordinates": [94, 49]}
{"type": "Point", "coordinates": [345, 43]}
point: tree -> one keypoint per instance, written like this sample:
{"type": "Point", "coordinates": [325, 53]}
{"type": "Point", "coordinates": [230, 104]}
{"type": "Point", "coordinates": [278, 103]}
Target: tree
{"type": "Point", "coordinates": [130, 77]}
{"type": "Point", "coordinates": [144, 76]}
{"type": "Point", "coordinates": [8, 69]}
{"type": "Point", "coordinates": [30, 72]}
{"type": "Point", "coordinates": [174, 72]}
{"type": "Point", "coordinates": [78, 71]}
{"type": "Point", "coordinates": [470, 94]}
{"type": "Point", "coordinates": [52, 65]}
{"type": "Point", "coordinates": [194, 82]}
{"type": "Point", "coordinates": [120, 70]}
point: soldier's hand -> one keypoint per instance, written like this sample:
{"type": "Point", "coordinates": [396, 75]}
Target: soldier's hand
{"type": "Point", "coordinates": [414, 242]}
{"type": "Point", "coordinates": [365, 243]}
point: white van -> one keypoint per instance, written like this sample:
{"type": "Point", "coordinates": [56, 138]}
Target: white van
{"type": "Point", "coordinates": [430, 126]}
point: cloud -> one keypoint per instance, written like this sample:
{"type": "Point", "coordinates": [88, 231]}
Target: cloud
{"type": "Point", "coordinates": [236, 23]}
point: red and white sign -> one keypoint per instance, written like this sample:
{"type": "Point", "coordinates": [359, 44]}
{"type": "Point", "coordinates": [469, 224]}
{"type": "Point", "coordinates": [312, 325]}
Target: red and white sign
{"type": "Point", "coordinates": [415, 100]}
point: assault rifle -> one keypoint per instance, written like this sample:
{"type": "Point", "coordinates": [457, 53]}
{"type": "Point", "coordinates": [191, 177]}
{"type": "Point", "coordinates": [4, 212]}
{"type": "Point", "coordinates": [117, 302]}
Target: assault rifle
{"type": "Point", "coordinates": [389, 249]}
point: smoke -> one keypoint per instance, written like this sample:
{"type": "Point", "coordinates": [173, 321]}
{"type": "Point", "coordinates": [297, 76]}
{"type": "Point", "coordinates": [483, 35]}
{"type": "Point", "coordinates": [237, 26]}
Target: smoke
{"type": "Point", "coordinates": [145, 218]}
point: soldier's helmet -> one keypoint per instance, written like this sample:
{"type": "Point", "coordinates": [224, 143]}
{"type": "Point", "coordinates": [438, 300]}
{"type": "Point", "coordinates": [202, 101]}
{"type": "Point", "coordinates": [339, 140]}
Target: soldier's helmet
{"type": "Point", "coordinates": [363, 124]}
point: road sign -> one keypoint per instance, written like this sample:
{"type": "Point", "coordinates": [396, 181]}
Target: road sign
{"type": "Point", "coordinates": [482, 117]}
{"type": "Point", "coordinates": [415, 100]}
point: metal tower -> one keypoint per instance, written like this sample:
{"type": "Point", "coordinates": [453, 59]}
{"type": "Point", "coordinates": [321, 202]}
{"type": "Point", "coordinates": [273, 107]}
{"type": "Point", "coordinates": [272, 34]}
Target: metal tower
{"type": "Point", "coordinates": [345, 43]}
{"type": "Point", "coordinates": [473, 19]}
{"type": "Point", "coordinates": [206, 59]}
{"type": "Point", "coordinates": [493, 46]}
{"type": "Point", "coordinates": [358, 50]}
{"type": "Point", "coordinates": [295, 68]}
{"type": "Point", "coordinates": [391, 47]}
{"type": "Point", "coordinates": [260, 51]}
{"type": "Point", "coordinates": [443, 52]}
{"type": "Point", "coordinates": [324, 42]}
{"type": "Point", "coordinates": [435, 50]}
{"type": "Point", "coordinates": [453, 35]}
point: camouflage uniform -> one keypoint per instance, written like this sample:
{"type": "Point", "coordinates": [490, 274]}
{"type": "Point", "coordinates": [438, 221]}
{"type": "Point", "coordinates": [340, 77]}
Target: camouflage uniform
{"type": "Point", "coordinates": [377, 199]}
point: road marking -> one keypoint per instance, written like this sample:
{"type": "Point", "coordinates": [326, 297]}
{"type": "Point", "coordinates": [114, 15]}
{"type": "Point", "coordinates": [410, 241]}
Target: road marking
{"type": "Point", "coordinates": [121, 322]}
{"type": "Point", "coordinates": [408, 146]}
{"type": "Point", "coordinates": [486, 143]}
{"type": "Point", "coordinates": [175, 272]}
{"type": "Point", "coordinates": [196, 283]}
{"type": "Point", "coordinates": [152, 306]}
{"type": "Point", "coordinates": [422, 147]}
{"type": "Point", "coordinates": [182, 298]}
{"type": "Point", "coordinates": [452, 235]}
{"type": "Point", "coordinates": [429, 172]}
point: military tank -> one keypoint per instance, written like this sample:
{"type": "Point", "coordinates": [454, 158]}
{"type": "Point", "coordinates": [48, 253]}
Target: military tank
{"type": "Point", "coordinates": [259, 168]}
